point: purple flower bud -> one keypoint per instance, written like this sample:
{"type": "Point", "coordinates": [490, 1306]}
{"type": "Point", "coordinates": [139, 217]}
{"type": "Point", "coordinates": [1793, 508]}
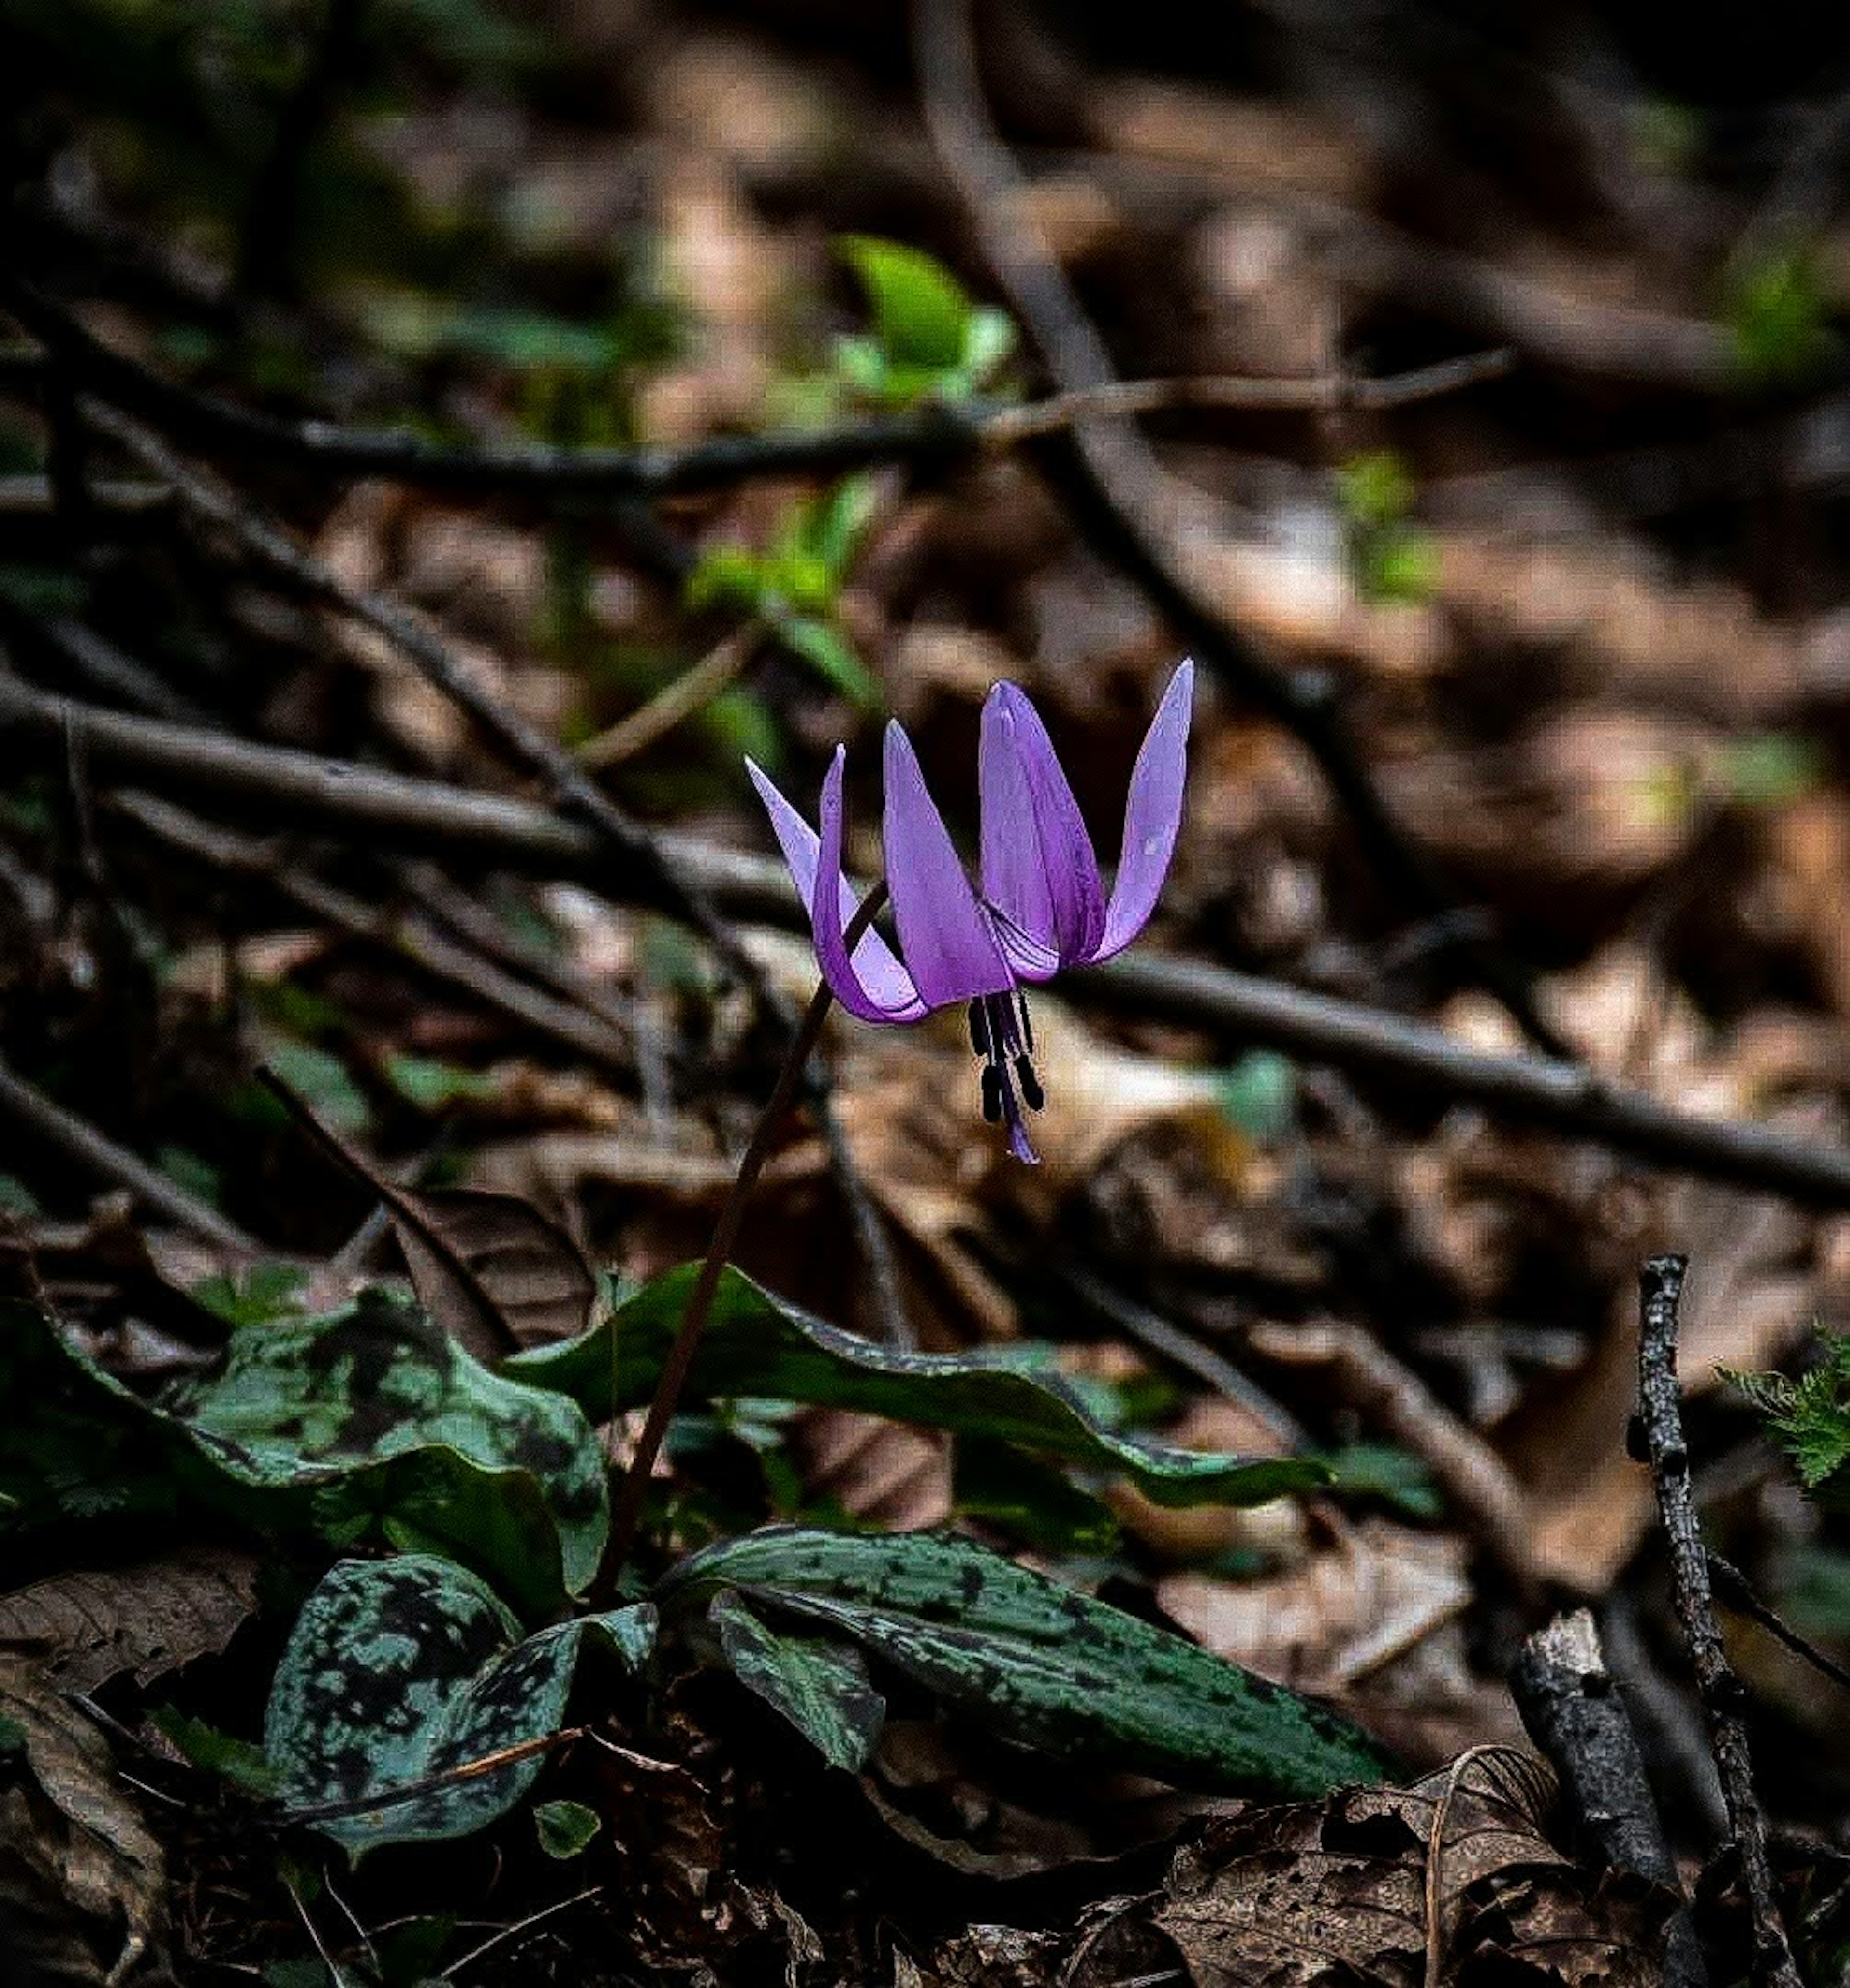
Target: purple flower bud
{"type": "Point", "coordinates": [1041, 907]}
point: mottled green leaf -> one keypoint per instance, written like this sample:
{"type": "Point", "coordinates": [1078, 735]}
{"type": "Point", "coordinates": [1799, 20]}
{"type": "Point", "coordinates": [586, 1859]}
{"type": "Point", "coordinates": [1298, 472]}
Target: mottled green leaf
{"type": "Point", "coordinates": [757, 1343]}
{"type": "Point", "coordinates": [1041, 1664]}
{"type": "Point", "coordinates": [820, 1683]}
{"type": "Point", "coordinates": [377, 1379]}
{"type": "Point", "coordinates": [399, 1671]}
{"type": "Point", "coordinates": [371, 1432]}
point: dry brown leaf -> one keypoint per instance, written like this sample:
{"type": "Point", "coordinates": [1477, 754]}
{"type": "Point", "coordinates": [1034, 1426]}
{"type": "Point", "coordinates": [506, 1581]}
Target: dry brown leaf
{"type": "Point", "coordinates": [84, 1629]}
{"type": "Point", "coordinates": [1748, 1302]}
{"type": "Point", "coordinates": [1437, 1883]}
{"type": "Point", "coordinates": [1567, 820]}
{"type": "Point", "coordinates": [933, 1791]}
{"type": "Point", "coordinates": [74, 1832]}
{"type": "Point", "coordinates": [1809, 841]}
{"type": "Point", "coordinates": [1251, 142]}
{"type": "Point", "coordinates": [896, 1476]}
{"type": "Point", "coordinates": [469, 1248]}
{"type": "Point", "coordinates": [1365, 1596]}
{"type": "Point", "coordinates": [1632, 632]}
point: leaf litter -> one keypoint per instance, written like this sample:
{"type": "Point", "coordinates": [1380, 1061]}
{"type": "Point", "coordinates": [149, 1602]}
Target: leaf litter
{"type": "Point", "coordinates": [1293, 1368]}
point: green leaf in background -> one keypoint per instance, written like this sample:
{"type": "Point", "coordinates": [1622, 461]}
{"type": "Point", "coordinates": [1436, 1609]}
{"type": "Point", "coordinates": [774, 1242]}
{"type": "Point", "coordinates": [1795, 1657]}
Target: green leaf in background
{"type": "Point", "coordinates": [921, 313]}
{"type": "Point", "coordinates": [727, 575]}
{"type": "Point", "coordinates": [400, 1670]}
{"type": "Point", "coordinates": [91, 1450]}
{"type": "Point", "coordinates": [1258, 1095]}
{"type": "Point", "coordinates": [566, 1828]}
{"type": "Point", "coordinates": [317, 1075]}
{"type": "Point", "coordinates": [1398, 564]}
{"type": "Point", "coordinates": [827, 652]}
{"type": "Point", "coordinates": [245, 1766]}
{"type": "Point", "coordinates": [430, 1084]}
{"type": "Point", "coordinates": [1771, 769]}
{"type": "Point", "coordinates": [1374, 488]}
{"type": "Point", "coordinates": [819, 1683]}
{"type": "Point", "coordinates": [1777, 315]}
{"type": "Point", "coordinates": [1379, 1470]}
{"type": "Point", "coordinates": [254, 1293]}
{"type": "Point", "coordinates": [1030, 1500]}
{"type": "Point", "coordinates": [756, 1342]}
{"type": "Point", "coordinates": [1040, 1664]}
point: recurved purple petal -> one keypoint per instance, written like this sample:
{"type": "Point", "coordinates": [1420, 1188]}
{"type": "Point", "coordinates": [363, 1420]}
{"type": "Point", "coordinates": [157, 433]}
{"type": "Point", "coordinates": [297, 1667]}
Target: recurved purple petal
{"type": "Point", "coordinates": [872, 984]}
{"type": "Point", "coordinates": [1152, 816]}
{"type": "Point", "coordinates": [950, 946]}
{"type": "Point", "coordinates": [1038, 866]}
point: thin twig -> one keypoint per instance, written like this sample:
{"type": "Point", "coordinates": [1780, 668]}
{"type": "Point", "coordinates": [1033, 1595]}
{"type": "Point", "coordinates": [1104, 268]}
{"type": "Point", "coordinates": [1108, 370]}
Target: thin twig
{"type": "Point", "coordinates": [1739, 1593]}
{"type": "Point", "coordinates": [1120, 484]}
{"type": "Point", "coordinates": [937, 432]}
{"type": "Point", "coordinates": [398, 930]}
{"type": "Point", "coordinates": [430, 1784]}
{"type": "Point", "coordinates": [1365, 1377]}
{"type": "Point", "coordinates": [1660, 1415]}
{"type": "Point", "coordinates": [627, 1515]}
{"type": "Point", "coordinates": [368, 805]}
{"type": "Point", "coordinates": [520, 1926]}
{"type": "Point", "coordinates": [1330, 393]}
{"type": "Point", "coordinates": [1168, 1341]}
{"type": "Point", "coordinates": [689, 692]}
{"type": "Point", "coordinates": [99, 1154]}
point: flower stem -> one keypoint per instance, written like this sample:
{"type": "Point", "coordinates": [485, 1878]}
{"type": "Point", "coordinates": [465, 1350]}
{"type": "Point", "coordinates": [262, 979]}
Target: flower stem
{"type": "Point", "coordinates": [626, 1516]}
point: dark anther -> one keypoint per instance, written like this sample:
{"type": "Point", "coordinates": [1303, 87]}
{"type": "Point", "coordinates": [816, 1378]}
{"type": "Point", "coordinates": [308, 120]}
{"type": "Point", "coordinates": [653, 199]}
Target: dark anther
{"type": "Point", "coordinates": [991, 1093]}
{"type": "Point", "coordinates": [979, 1029]}
{"type": "Point", "coordinates": [1031, 1091]}
{"type": "Point", "coordinates": [1027, 1027]}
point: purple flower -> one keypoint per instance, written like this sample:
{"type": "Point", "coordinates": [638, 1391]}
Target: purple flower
{"type": "Point", "coordinates": [1041, 906]}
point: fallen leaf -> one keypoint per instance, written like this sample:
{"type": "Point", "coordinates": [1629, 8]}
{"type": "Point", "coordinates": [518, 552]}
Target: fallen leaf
{"type": "Point", "coordinates": [85, 1627]}
{"type": "Point", "coordinates": [74, 1830]}
{"type": "Point", "coordinates": [470, 1247]}
{"type": "Point", "coordinates": [1368, 1596]}
{"type": "Point", "coordinates": [1443, 1881]}
{"type": "Point", "coordinates": [884, 1473]}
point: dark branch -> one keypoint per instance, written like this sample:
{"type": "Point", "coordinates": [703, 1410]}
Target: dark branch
{"type": "Point", "coordinates": [1572, 1709]}
{"type": "Point", "coordinates": [1660, 1416]}
{"type": "Point", "coordinates": [274, 785]}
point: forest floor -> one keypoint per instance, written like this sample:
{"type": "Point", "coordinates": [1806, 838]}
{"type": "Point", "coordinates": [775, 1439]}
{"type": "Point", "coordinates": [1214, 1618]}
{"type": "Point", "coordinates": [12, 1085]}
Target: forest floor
{"type": "Point", "coordinates": [443, 440]}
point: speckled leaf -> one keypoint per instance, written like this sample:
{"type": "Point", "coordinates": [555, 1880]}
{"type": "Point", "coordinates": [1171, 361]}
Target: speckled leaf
{"type": "Point", "coordinates": [400, 1671]}
{"type": "Point", "coordinates": [1044, 1666]}
{"type": "Point", "coordinates": [379, 1377]}
{"type": "Point", "coordinates": [819, 1684]}
{"type": "Point", "coordinates": [758, 1343]}
{"type": "Point", "coordinates": [282, 1453]}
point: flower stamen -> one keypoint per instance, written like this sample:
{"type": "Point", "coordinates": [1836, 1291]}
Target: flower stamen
{"type": "Point", "coordinates": [1002, 1035]}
